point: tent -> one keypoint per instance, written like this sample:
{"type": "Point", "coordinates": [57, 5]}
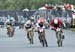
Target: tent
{"type": "Point", "coordinates": [42, 8]}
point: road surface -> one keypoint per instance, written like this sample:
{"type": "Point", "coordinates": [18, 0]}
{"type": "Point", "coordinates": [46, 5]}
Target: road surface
{"type": "Point", "coordinates": [20, 43]}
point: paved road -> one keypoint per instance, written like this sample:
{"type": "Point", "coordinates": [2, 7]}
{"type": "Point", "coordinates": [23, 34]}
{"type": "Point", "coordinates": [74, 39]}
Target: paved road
{"type": "Point", "coordinates": [19, 43]}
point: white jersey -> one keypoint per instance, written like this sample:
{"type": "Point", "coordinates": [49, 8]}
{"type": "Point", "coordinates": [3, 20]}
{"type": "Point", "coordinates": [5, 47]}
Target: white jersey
{"type": "Point", "coordinates": [8, 21]}
{"type": "Point", "coordinates": [38, 26]}
{"type": "Point", "coordinates": [29, 22]}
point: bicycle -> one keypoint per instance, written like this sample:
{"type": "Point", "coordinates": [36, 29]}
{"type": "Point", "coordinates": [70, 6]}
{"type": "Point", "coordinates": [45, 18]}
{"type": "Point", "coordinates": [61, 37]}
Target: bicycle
{"type": "Point", "coordinates": [42, 38]}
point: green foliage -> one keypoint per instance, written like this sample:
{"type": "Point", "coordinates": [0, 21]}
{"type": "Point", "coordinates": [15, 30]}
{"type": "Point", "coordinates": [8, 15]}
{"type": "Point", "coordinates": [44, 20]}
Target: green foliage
{"type": "Point", "coordinates": [30, 4]}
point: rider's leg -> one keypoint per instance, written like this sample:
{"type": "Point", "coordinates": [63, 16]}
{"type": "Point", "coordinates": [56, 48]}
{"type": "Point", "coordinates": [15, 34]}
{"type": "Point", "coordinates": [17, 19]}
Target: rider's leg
{"type": "Point", "coordinates": [62, 34]}
{"type": "Point", "coordinates": [39, 36]}
{"type": "Point", "coordinates": [28, 35]}
{"type": "Point", "coordinates": [45, 41]}
{"type": "Point", "coordinates": [32, 35]}
{"type": "Point", "coordinates": [8, 31]}
{"type": "Point", "coordinates": [56, 35]}
{"type": "Point", "coordinates": [12, 33]}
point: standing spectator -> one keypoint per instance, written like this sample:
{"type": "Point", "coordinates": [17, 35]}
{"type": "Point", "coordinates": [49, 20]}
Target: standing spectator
{"type": "Point", "coordinates": [59, 10]}
{"type": "Point", "coordinates": [68, 10]}
{"type": "Point", "coordinates": [54, 11]}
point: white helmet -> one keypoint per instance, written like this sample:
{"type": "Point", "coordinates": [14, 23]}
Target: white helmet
{"type": "Point", "coordinates": [32, 18]}
{"type": "Point", "coordinates": [55, 21]}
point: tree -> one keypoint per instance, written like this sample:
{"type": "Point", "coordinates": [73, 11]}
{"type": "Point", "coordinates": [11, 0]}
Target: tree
{"type": "Point", "coordinates": [30, 4]}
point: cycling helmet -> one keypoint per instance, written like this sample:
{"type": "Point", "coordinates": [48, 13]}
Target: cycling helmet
{"type": "Point", "coordinates": [32, 18]}
{"type": "Point", "coordinates": [41, 20]}
{"type": "Point", "coordinates": [55, 21]}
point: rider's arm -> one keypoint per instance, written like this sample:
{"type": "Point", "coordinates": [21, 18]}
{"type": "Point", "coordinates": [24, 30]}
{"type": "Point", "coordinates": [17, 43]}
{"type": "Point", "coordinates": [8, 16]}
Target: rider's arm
{"type": "Point", "coordinates": [52, 24]}
{"type": "Point", "coordinates": [5, 23]}
{"type": "Point", "coordinates": [64, 24]}
{"type": "Point", "coordinates": [46, 23]}
{"type": "Point", "coordinates": [25, 25]}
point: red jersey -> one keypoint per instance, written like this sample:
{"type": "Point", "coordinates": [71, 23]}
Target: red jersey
{"type": "Point", "coordinates": [59, 25]}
